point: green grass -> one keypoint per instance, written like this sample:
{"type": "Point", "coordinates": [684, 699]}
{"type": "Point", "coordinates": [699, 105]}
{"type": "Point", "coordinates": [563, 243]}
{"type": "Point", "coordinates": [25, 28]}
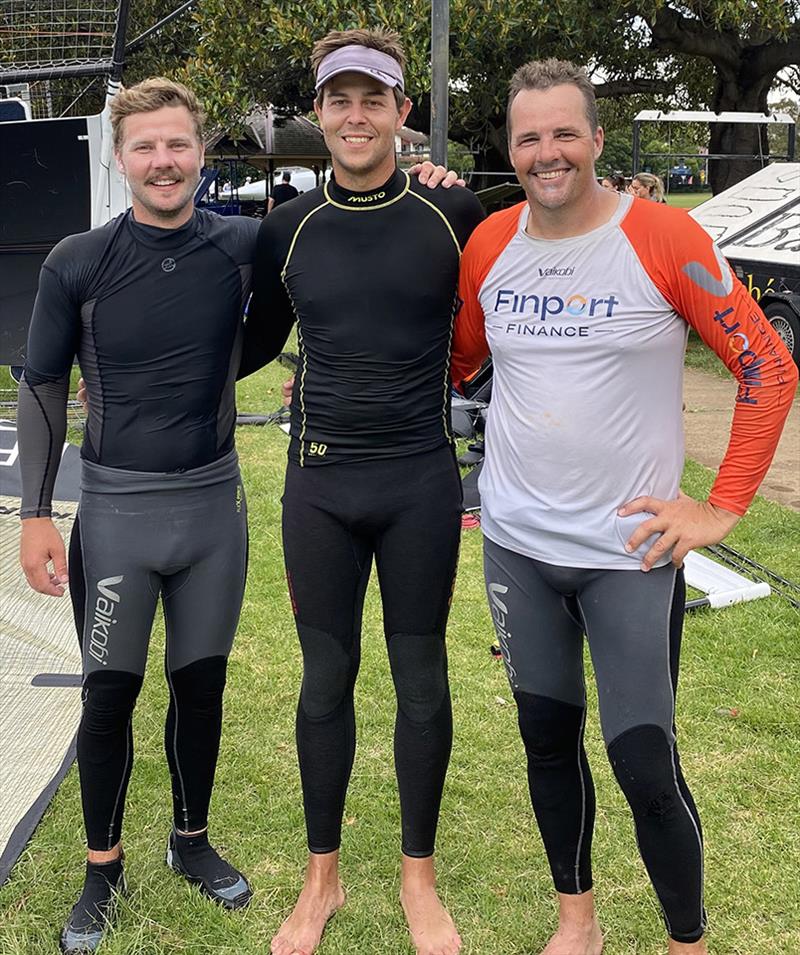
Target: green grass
{"type": "Point", "coordinates": [703, 358]}
{"type": "Point", "coordinates": [492, 869]}
{"type": "Point", "coordinates": [7, 383]}
{"type": "Point", "coordinates": [687, 200]}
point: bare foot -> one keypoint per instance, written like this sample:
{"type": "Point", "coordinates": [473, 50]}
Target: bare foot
{"type": "Point", "coordinates": [432, 930]}
{"type": "Point", "coordinates": [578, 929]}
{"type": "Point", "coordinates": [321, 896]}
{"type": "Point", "coordinates": [576, 940]}
{"type": "Point", "coordinates": [687, 948]}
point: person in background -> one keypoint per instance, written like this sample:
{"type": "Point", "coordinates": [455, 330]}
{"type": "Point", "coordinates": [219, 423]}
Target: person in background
{"type": "Point", "coordinates": [645, 185]}
{"type": "Point", "coordinates": [614, 182]}
{"type": "Point", "coordinates": [283, 192]}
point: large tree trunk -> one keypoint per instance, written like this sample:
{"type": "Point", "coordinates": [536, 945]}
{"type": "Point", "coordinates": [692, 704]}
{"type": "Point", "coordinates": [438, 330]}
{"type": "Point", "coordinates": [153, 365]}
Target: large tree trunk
{"type": "Point", "coordinates": [740, 92]}
{"type": "Point", "coordinates": [745, 66]}
{"type": "Point", "coordinates": [492, 157]}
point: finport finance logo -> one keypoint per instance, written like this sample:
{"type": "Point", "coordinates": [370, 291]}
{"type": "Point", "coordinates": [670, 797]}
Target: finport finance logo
{"type": "Point", "coordinates": [748, 360]}
{"type": "Point", "coordinates": [528, 314]}
{"type": "Point", "coordinates": [510, 302]}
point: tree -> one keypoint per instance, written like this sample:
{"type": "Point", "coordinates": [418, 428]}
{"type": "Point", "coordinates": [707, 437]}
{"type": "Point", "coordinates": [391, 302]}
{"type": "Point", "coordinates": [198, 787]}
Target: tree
{"type": "Point", "coordinates": [747, 42]}
{"type": "Point", "coordinates": [265, 57]}
{"type": "Point", "coordinates": [722, 54]}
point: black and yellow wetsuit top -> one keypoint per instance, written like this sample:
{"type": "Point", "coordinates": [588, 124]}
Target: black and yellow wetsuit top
{"type": "Point", "coordinates": [371, 279]}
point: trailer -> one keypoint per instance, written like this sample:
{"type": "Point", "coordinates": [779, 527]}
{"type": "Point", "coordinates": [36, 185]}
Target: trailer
{"type": "Point", "coordinates": [756, 224]}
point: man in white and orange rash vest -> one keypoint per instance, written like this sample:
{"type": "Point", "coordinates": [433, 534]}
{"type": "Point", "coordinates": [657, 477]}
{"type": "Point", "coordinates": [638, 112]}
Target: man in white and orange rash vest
{"type": "Point", "coordinates": [584, 298]}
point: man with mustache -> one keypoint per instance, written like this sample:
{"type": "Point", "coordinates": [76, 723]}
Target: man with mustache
{"type": "Point", "coordinates": [162, 509]}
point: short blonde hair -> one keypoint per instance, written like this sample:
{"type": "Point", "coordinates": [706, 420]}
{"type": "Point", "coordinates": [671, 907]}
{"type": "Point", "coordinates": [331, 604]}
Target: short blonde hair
{"type": "Point", "coordinates": [150, 95]}
{"type": "Point", "coordinates": [381, 39]}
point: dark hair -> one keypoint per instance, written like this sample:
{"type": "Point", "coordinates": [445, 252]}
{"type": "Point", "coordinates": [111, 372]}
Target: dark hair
{"type": "Point", "coordinates": [617, 180]}
{"type": "Point", "coordinates": [381, 39]}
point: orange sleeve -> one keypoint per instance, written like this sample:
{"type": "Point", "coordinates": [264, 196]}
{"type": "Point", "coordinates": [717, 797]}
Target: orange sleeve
{"type": "Point", "coordinates": [694, 277]}
{"type": "Point", "coordinates": [485, 245]}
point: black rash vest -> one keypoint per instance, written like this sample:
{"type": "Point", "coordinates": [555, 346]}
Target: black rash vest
{"type": "Point", "coordinates": [155, 318]}
{"type": "Point", "coordinates": [371, 279]}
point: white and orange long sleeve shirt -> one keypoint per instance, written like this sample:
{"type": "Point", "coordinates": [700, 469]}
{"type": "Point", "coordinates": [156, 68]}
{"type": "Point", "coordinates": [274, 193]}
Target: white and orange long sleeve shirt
{"type": "Point", "coordinates": [588, 336]}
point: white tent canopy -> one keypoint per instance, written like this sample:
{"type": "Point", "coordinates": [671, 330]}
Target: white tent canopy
{"type": "Point", "coordinates": [302, 179]}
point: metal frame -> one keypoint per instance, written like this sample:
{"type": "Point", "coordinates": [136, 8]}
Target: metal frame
{"type": "Point", "coordinates": [112, 67]}
{"type": "Point", "coordinates": [700, 116]}
{"type": "Point", "coordinates": [440, 55]}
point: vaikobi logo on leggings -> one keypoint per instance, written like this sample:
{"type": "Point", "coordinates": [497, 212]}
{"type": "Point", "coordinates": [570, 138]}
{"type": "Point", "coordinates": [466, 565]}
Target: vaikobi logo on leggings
{"type": "Point", "coordinates": [104, 610]}
{"type": "Point", "coordinates": [500, 617]}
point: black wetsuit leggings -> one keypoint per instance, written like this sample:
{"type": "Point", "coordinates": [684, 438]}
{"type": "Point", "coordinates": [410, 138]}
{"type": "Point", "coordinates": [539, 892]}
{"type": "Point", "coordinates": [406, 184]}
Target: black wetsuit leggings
{"type": "Point", "coordinates": [188, 546]}
{"type": "Point", "coordinates": [633, 624]}
{"type": "Point", "coordinates": [406, 512]}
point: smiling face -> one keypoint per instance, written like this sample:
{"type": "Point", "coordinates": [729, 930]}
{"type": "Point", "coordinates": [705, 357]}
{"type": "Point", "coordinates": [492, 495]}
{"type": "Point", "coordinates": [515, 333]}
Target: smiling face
{"type": "Point", "coordinates": [553, 148]}
{"type": "Point", "coordinates": [359, 119]}
{"type": "Point", "coordinates": [161, 157]}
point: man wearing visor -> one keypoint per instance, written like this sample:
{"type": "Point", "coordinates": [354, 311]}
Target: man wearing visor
{"type": "Point", "coordinates": [368, 266]}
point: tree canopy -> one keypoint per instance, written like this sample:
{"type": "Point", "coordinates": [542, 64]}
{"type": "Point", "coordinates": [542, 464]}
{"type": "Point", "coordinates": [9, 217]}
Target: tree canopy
{"type": "Point", "coordinates": [746, 43]}
{"type": "Point", "coordinates": [714, 54]}
{"type": "Point", "coordinates": [718, 54]}
{"type": "Point", "coordinates": [264, 57]}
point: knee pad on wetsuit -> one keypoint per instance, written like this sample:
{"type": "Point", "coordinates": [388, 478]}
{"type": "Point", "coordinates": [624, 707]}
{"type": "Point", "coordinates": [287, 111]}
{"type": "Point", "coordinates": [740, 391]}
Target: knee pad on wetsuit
{"type": "Point", "coordinates": [200, 685]}
{"type": "Point", "coordinates": [419, 671]}
{"type": "Point", "coordinates": [329, 672]}
{"type": "Point", "coordinates": [109, 697]}
{"type": "Point", "coordinates": [641, 758]}
{"type": "Point", "coordinates": [549, 728]}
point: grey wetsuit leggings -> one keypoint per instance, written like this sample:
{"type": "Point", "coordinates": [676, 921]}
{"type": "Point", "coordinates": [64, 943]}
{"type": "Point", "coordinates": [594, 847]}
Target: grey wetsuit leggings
{"type": "Point", "coordinates": [181, 537]}
{"type": "Point", "coordinates": [632, 621]}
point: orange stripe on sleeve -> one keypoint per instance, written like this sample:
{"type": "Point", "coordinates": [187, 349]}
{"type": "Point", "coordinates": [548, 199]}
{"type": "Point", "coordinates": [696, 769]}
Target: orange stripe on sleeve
{"type": "Point", "coordinates": [482, 250]}
{"type": "Point", "coordinates": [694, 277]}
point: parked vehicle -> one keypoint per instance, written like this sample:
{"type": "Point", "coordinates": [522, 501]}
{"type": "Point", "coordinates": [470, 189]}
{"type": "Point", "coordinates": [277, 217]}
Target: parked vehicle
{"type": "Point", "coordinates": [756, 224]}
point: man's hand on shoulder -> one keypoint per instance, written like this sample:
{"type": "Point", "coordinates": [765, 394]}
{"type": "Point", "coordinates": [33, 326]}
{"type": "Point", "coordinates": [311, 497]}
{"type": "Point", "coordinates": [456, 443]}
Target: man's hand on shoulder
{"type": "Point", "coordinates": [682, 525]}
{"type": "Point", "coordinates": [433, 176]}
{"type": "Point", "coordinates": [41, 543]}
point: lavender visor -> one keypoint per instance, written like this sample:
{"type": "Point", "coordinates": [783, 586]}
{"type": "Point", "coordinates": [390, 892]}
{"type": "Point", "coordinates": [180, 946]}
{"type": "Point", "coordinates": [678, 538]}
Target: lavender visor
{"type": "Point", "coordinates": [360, 59]}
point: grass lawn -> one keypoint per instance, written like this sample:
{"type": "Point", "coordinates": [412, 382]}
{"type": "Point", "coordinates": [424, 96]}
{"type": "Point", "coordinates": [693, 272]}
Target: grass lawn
{"type": "Point", "coordinates": [700, 356]}
{"type": "Point", "coordinates": [687, 200]}
{"type": "Point", "coordinates": [739, 723]}
{"type": "Point", "coordinates": [703, 358]}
